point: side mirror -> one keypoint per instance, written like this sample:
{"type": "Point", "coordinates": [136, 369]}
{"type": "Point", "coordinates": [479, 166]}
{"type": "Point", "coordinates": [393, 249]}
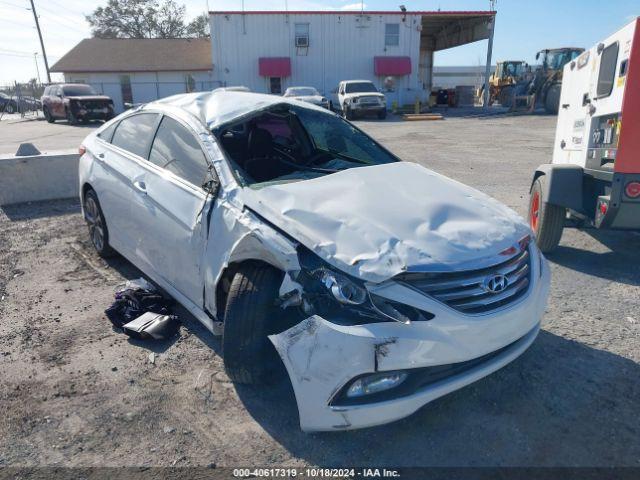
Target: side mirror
{"type": "Point", "coordinates": [537, 55]}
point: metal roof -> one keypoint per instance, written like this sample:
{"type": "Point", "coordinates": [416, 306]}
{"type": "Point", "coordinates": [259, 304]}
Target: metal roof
{"type": "Point", "coordinates": [355, 12]}
{"type": "Point", "coordinates": [137, 55]}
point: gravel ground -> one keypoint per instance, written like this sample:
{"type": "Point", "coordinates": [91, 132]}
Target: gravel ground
{"type": "Point", "coordinates": [75, 392]}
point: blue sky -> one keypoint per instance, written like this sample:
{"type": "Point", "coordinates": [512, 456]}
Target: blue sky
{"type": "Point", "coordinates": [522, 27]}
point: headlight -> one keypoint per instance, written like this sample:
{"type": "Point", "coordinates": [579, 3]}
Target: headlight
{"type": "Point", "coordinates": [343, 289]}
{"type": "Point", "coordinates": [341, 298]}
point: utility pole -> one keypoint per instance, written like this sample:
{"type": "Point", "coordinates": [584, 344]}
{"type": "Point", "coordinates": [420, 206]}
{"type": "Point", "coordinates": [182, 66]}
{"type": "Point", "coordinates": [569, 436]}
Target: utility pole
{"type": "Point", "coordinates": [487, 70]}
{"type": "Point", "coordinates": [44, 53]}
{"type": "Point", "coordinates": [35, 57]}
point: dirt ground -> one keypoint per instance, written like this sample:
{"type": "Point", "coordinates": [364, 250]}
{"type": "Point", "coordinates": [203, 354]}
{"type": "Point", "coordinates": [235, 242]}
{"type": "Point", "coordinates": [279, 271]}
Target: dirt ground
{"type": "Point", "coordinates": [75, 392]}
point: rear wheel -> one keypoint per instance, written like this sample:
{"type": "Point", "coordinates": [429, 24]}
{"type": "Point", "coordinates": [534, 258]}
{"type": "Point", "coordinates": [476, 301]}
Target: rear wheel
{"type": "Point", "coordinates": [10, 107]}
{"type": "Point", "coordinates": [546, 220]}
{"type": "Point", "coordinates": [97, 226]}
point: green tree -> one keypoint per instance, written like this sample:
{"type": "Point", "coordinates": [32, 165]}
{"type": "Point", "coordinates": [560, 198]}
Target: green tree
{"type": "Point", "coordinates": [144, 19]}
{"type": "Point", "coordinates": [199, 26]}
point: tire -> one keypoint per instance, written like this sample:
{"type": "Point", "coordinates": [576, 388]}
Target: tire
{"type": "Point", "coordinates": [10, 107]}
{"type": "Point", "coordinates": [552, 100]}
{"type": "Point", "coordinates": [98, 232]}
{"type": "Point", "coordinates": [347, 113]}
{"type": "Point", "coordinates": [47, 115]}
{"type": "Point", "coordinates": [251, 315]}
{"type": "Point", "coordinates": [71, 118]}
{"type": "Point", "coordinates": [383, 114]}
{"type": "Point", "coordinates": [546, 220]}
{"type": "Point", "coordinates": [506, 97]}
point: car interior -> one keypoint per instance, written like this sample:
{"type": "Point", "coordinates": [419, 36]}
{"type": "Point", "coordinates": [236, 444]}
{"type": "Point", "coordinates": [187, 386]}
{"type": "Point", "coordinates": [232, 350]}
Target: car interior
{"type": "Point", "coordinates": [289, 143]}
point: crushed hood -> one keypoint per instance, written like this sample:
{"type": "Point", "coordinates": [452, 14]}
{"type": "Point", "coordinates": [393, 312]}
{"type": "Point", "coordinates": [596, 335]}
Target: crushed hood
{"type": "Point", "coordinates": [376, 222]}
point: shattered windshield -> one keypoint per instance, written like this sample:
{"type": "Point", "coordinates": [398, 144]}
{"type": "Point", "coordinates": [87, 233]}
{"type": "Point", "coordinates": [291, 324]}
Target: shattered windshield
{"type": "Point", "coordinates": [290, 143]}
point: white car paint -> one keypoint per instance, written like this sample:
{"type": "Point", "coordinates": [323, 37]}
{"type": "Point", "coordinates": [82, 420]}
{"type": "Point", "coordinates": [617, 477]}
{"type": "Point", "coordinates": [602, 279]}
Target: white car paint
{"type": "Point", "coordinates": [346, 99]}
{"type": "Point", "coordinates": [371, 223]}
{"type": "Point", "coordinates": [311, 96]}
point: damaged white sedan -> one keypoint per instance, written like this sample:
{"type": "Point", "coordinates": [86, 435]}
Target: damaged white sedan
{"type": "Point", "coordinates": [381, 284]}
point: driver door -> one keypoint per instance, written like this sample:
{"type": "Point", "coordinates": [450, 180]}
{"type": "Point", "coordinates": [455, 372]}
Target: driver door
{"type": "Point", "coordinates": [170, 208]}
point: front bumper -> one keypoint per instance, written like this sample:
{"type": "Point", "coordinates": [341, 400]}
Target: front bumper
{"type": "Point", "coordinates": [321, 357]}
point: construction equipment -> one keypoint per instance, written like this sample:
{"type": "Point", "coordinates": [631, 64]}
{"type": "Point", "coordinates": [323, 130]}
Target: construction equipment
{"type": "Point", "coordinates": [594, 178]}
{"type": "Point", "coordinates": [543, 89]}
{"type": "Point", "coordinates": [508, 73]}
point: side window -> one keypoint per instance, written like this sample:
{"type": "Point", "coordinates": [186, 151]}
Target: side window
{"type": "Point", "coordinates": [107, 133]}
{"type": "Point", "coordinates": [134, 133]}
{"type": "Point", "coordinates": [391, 34]}
{"type": "Point", "coordinates": [177, 150]}
{"type": "Point", "coordinates": [608, 63]}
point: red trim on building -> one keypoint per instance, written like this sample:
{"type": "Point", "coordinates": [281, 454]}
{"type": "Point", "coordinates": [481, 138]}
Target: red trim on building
{"type": "Point", "coordinates": [628, 155]}
{"type": "Point", "coordinates": [395, 66]}
{"type": "Point", "coordinates": [274, 66]}
{"type": "Point", "coordinates": [469, 13]}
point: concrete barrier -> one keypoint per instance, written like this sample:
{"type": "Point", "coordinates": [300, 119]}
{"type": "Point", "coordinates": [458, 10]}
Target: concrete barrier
{"type": "Point", "coordinates": [38, 177]}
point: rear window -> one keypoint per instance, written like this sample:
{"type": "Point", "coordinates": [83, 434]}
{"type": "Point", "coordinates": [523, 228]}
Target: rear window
{"type": "Point", "coordinates": [134, 133]}
{"type": "Point", "coordinates": [78, 90]}
{"type": "Point", "coordinates": [107, 133]}
{"type": "Point", "coordinates": [608, 63]}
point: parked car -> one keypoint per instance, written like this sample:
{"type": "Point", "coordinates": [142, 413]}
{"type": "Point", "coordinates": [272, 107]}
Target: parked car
{"type": "Point", "coordinates": [381, 284]}
{"type": "Point", "coordinates": [14, 103]}
{"type": "Point", "coordinates": [307, 94]}
{"type": "Point", "coordinates": [75, 102]}
{"type": "Point", "coordinates": [8, 104]}
{"type": "Point", "coordinates": [359, 98]}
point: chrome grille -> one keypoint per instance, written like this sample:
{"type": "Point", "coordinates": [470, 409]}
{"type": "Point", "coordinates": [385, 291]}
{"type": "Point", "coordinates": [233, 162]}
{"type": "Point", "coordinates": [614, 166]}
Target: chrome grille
{"type": "Point", "coordinates": [467, 291]}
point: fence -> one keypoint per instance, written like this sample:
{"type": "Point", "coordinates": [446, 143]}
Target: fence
{"type": "Point", "coordinates": [24, 98]}
{"type": "Point", "coordinates": [21, 98]}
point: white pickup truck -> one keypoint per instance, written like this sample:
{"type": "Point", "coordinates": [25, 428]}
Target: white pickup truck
{"type": "Point", "coordinates": [358, 98]}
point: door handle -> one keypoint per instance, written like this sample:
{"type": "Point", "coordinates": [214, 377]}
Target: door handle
{"type": "Point", "coordinates": [565, 105]}
{"type": "Point", "coordinates": [100, 157]}
{"type": "Point", "coordinates": [140, 186]}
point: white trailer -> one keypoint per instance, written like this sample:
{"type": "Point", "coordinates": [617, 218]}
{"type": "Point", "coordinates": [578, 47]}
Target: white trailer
{"type": "Point", "coordinates": [594, 177]}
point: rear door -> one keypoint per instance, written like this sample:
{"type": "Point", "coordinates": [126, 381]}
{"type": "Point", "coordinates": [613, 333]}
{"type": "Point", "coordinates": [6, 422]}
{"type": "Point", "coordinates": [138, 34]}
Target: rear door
{"type": "Point", "coordinates": [118, 155]}
{"type": "Point", "coordinates": [169, 208]}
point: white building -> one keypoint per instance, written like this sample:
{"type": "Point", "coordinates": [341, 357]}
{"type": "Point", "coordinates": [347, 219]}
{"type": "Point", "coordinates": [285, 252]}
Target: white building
{"type": "Point", "coordinates": [269, 51]}
{"type": "Point", "coordinates": [139, 70]}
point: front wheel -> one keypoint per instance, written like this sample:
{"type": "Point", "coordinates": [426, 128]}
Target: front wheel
{"type": "Point", "coordinates": [552, 100]}
{"type": "Point", "coordinates": [71, 118]}
{"type": "Point", "coordinates": [250, 316]}
{"type": "Point", "coordinates": [47, 115]}
{"type": "Point", "coordinates": [546, 220]}
{"type": "Point", "coordinates": [382, 114]}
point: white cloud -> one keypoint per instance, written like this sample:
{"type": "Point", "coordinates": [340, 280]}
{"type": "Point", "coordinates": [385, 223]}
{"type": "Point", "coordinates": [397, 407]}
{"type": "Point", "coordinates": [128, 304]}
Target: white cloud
{"type": "Point", "coordinates": [354, 6]}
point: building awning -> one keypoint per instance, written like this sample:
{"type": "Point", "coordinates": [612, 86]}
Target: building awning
{"type": "Point", "coordinates": [395, 66]}
{"type": "Point", "coordinates": [274, 66]}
